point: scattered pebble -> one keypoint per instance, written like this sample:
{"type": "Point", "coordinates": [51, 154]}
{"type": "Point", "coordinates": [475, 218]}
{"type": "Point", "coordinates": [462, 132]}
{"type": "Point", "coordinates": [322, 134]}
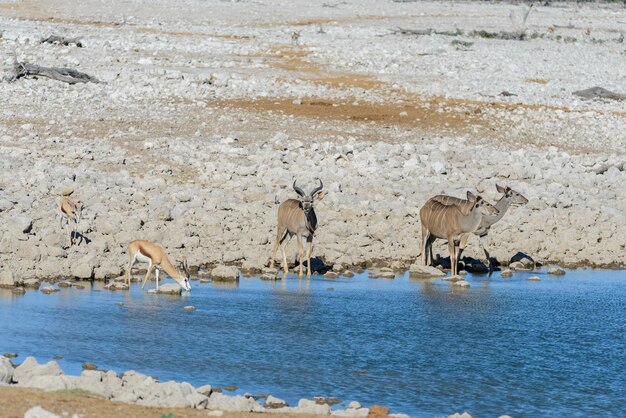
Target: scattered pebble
{"type": "Point", "coordinates": [49, 289]}
{"type": "Point", "coordinates": [230, 388]}
{"type": "Point", "coordinates": [534, 278]}
{"type": "Point", "coordinates": [10, 355]}
{"type": "Point", "coordinates": [189, 308]}
{"type": "Point", "coordinates": [506, 274]}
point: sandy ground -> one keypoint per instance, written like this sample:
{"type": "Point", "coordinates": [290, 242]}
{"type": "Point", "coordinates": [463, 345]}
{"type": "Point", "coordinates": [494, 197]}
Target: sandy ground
{"type": "Point", "coordinates": [14, 402]}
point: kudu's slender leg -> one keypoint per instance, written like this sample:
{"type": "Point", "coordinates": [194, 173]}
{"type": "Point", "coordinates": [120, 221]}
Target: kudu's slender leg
{"type": "Point", "coordinates": [425, 236]}
{"type": "Point", "coordinates": [462, 246]}
{"type": "Point", "coordinates": [280, 235]}
{"type": "Point", "coordinates": [309, 242]}
{"type": "Point", "coordinates": [283, 246]}
{"type": "Point", "coordinates": [484, 243]}
{"type": "Point", "coordinates": [452, 251]}
{"type": "Point", "coordinates": [300, 254]}
{"type": "Point", "coordinates": [145, 279]}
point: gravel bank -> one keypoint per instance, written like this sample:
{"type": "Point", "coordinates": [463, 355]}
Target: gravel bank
{"type": "Point", "coordinates": [211, 109]}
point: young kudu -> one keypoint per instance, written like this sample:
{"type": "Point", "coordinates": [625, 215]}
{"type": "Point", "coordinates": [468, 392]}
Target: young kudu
{"type": "Point", "coordinates": [297, 217]}
{"type": "Point", "coordinates": [451, 222]}
{"type": "Point", "coordinates": [509, 198]}
{"type": "Point", "coordinates": [71, 211]}
{"type": "Point", "coordinates": [154, 255]}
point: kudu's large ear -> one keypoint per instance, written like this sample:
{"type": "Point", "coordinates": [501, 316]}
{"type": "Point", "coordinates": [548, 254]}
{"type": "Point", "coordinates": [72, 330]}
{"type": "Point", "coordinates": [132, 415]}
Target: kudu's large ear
{"type": "Point", "coordinates": [318, 192]}
{"type": "Point", "coordinates": [471, 197]}
{"type": "Point", "coordinates": [500, 189]}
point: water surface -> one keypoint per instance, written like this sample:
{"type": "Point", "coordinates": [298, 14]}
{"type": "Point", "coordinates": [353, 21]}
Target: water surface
{"type": "Point", "coordinates": [504, 346]}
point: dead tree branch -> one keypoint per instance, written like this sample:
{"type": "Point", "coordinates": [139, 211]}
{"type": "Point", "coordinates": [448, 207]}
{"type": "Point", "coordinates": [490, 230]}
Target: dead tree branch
{"type": "Point", "coordinates": [67, 75]}
{"type": "Point", "coordinates": [599, 93]}
{"type": "Point", "coordinates": [56, 39]}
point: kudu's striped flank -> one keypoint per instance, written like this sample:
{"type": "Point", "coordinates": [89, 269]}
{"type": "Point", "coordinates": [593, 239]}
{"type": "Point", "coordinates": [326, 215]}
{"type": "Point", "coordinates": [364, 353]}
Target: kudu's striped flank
{"type": "Point", "coordinates": [451, 222]}
{"type": "Point", "coordinates": [509, 198]}
{"type": "Point", "coordinates": [297, 217]}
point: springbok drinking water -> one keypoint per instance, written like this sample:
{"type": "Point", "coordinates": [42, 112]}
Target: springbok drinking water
{"type": "Point", "coordinates": [71, 211]}
{"type": "Point", "coordinates": [509, 198]}
{"type": "Point", "coordinates": [451, 222]}
{"type": "Point", "coordinates": [154, 255]}
{"type": "Point", "coordinates": [297, 217]}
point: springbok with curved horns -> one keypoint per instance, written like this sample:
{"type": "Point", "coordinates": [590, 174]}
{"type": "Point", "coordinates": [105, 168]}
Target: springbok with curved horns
{"type": "Point", "coordinates": [71, 211]}
{"type": "Point", "coordinates": [509, 198]}
{"type": "Point", "coordinates": [154, 255]}
{"type": "Point", "coordinates": [451, 222]}
{"type": "Point", "coordinates": [297, 217]}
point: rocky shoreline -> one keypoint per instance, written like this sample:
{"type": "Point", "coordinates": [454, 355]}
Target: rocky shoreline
{"type": "Point", "coordinates": [136, 388]}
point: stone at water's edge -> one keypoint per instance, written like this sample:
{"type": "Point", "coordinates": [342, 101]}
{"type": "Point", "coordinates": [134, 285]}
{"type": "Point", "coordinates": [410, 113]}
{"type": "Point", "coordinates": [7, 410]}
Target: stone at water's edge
{"type": "Point", "coordinates": [89, 366]}
{"type": "Point", "coordinates": [32, 283]}
{"type": "Point", "coordinates": [556, 271]}
{"type": "Point", "coordinates": [6, 370]}
{"type": "Point", "coordinates": [65, 283]}
{"type": "Point", "coordinates": [273, 403]}
{"type": "Point", "coordinates": [204, 390]}
{"type": "Point", "coordinates": [269, 276]}
{"type": "Point", "coordinates": [8, 280]}
{"type": "Point", "coordinates": [463, 415]}
{"type": "Point", "coordinates": [189, 308]}
{"type": "Point", "coordinates": [49, 289]}
{"type": "Point", "coordinates": [170, 289]}
{"type": "Point", "coordinates": [519, 266]}
{"type": "Point", "coordinates": [461, 283]}
{"type": "Point", "coordinates": [116, 286]}
{"type": "Point", "coordinates": [418, 270]}
{"type": "Point", "coordinates": [534, 278]}
{"type": "Point", "coordinates": [453, 279]}
{"type": "Point", "coordinates": [225, 273]}
{"type": "Point", "coordinates": [377, 411]}
{"type": "Point", "coordinates": [506, 274]}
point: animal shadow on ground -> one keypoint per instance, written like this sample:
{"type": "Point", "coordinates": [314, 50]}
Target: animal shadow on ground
{"type": "Point", "coordinates": [80, 238]}
{"type": "Point", "coordinates": [317, 265]}
{"type": "Point", "coordinates": [520, 256]}
{"type": "Point", "coordinates": [469, 264]}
